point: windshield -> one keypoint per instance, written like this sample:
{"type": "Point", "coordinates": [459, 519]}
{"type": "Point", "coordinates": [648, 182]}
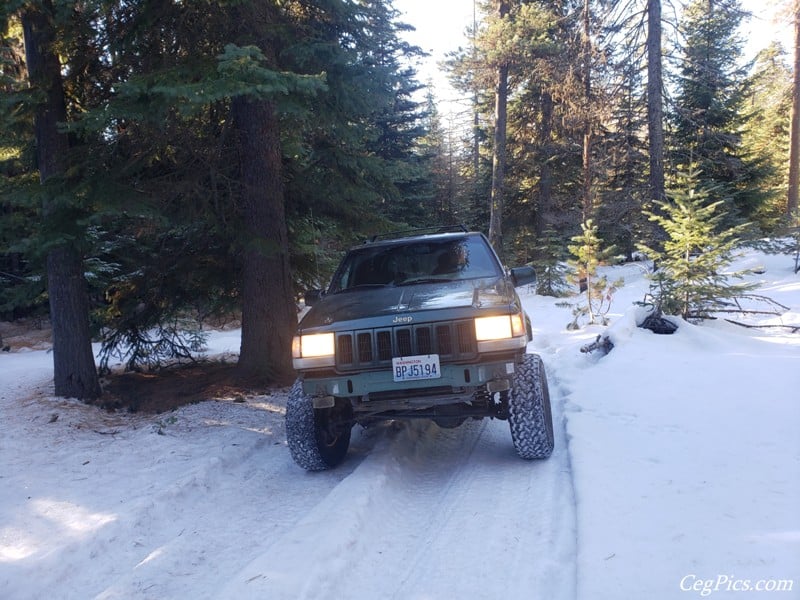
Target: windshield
{"type": "Point", "coordinates": [421, 261]}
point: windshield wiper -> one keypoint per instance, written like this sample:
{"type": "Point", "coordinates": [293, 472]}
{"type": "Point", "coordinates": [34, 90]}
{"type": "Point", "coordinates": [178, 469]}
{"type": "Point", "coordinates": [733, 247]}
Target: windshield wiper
{"type": "Point", "coordinates": [426, 280]}
{"type": "Point", "coordinates": [361, 286]}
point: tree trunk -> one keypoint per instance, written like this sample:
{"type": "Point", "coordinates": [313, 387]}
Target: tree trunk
{"type": "Point", "coordinates": [499, 151]}
{"type": "Point", "coordinates": [545, 171]}
{"type": "Point", "coordinates": [74, 370]}
{"type": "Point", "coordinates": [794, 145]}
{"type": "Point", "coordinates": [269, 317]}
{"type": "Point", "coordinates": [476, 123]}
{"type": "Point", "coordinates": [655, 102]}
{"type": "Point", "coordinates": [499, 159]}
{"type": "Point", "coordinates": [588, 203]}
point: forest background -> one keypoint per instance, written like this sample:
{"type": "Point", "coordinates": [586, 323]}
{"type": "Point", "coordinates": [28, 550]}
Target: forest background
{"type": "Point", "coordinates": [165, 163]}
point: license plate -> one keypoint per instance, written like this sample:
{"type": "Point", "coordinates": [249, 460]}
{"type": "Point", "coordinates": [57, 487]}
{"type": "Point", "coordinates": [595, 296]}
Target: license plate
{"type": "Point", "coordinates": [413, 368]}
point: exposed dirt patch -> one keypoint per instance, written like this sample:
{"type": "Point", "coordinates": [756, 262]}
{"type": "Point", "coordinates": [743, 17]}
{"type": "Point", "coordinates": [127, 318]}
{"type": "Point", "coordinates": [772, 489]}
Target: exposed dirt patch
{"type": "Point", "coordinates": [171, 388]}
{"type": "Point", "coordinates": [30, 334]}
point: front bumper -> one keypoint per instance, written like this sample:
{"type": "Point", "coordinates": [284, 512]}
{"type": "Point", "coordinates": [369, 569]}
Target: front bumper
{"type": "Point", "coordinates": [456, 379]}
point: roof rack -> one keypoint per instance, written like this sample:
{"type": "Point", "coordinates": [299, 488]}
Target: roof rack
{"type": "Point", "coordinates": [418, 231]}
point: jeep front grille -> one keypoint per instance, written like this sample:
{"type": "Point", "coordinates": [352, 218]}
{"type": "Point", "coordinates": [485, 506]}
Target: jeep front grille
{"type": "Point", "coordinates": [366, 348]}
{"type": "Point", "coordinates": [403, 338]}
{"type": "Point", "coordinates": [384, 345]}
{"type": "Point", "coordinates": [345, 348]}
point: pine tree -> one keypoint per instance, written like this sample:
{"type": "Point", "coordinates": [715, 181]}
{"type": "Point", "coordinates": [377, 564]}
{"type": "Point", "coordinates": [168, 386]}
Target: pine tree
{"type": "Point", "coordinates": [708, 117]}
{"type": "Point", "coordinates": [518, 44]}
{"type": "Point", "coordinates": [74, 370]}
{"type": "Point", "coordinates": [598, 293]}
{"type": "Point", "coordinates": [437, 149]}
{"type": "Point", "coordinates": [359, 142]}
{"type": "Point", "coordinates": [766, 137]}
{"type": "Point", "coordinates": [692, 279]}
{"type": "Point", "coordinates": [398, 120]}
{"type": "Point", "coordinates": [632, 172]}
{"type": "Point", "coordinates": [268, 311]}
{"type": "Point", "coordinates": [21, 290]}
{"type": "Point", "coordinates": [551, 265]}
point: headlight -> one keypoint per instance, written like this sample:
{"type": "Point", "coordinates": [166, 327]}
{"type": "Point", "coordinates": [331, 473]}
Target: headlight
{"type": "Point", "coordinates": [315, 351]}
{"type": "Point", "coordinates": [314, 345]}
{"type": "Point", "coordinates": [499, 328]}
{"type": "Point", "coordinates": [493, 328]}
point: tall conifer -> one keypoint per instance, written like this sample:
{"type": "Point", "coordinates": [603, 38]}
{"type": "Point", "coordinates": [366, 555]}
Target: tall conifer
{"type": "Point", "coordinates": [708, 117]}
{"type": "Point", "coordinates": [74, 370]}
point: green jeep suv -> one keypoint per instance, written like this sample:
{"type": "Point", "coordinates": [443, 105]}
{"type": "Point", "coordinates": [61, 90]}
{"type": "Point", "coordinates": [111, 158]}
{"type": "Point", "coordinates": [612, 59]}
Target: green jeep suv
{"type": "Point", "coordinates": [422, 326]}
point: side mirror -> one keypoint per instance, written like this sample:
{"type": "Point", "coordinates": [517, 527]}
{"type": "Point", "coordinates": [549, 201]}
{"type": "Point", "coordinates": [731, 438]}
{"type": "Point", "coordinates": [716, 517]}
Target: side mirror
{"type": "Point", "coordinates": [312, 297]}
{"type": "Point", "coordinates": [523, 275]}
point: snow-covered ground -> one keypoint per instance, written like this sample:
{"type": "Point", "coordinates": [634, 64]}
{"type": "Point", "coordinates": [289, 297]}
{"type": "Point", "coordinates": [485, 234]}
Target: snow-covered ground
{"type": "Point", "coordinates": [676, 473]}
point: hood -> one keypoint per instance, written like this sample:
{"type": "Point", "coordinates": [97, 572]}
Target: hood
{"type": "Point", "coordinates": [391, 301]}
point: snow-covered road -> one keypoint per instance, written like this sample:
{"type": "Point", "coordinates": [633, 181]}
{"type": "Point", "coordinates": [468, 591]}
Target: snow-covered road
{"type": "Point", "coordinates": [676, 474]}
{"type": "Point", "coordinates": [431, 513]}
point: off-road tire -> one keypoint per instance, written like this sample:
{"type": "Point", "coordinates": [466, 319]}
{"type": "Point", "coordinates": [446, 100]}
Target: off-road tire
{"type": "Point", "coordinates": [529, 415]}
{"type": "Point", "coordinates": [318, 439]}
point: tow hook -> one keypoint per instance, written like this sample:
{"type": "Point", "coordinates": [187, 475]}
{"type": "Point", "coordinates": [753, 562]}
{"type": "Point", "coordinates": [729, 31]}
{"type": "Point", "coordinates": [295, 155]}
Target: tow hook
{"type": "Point", "coordinates": [498, 385]}
{"type": "Point", "coordinates": [323, 401]}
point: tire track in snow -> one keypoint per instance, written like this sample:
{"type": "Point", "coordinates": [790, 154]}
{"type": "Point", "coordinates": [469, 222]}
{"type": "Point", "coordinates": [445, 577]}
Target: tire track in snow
{"type": "Point", "coordinates": [513, 538]}
{"type": "Point", "coordinates": [432, 513]}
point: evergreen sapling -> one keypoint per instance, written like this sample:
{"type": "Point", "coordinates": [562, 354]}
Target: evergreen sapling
{"type": "Point", "coordinates": [550, 265]}
{"type": "Point", "coordinates": [598, 292]}
{"type": "Point", "coordinates": [692, 279]}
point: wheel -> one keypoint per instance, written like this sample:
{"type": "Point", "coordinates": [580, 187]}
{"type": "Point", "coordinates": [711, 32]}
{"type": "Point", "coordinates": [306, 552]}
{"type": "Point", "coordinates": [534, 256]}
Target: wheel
{"type": "Point", "coordinates": [529, 415]}
{"type": "Point", "coordinates": [318, 438]}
